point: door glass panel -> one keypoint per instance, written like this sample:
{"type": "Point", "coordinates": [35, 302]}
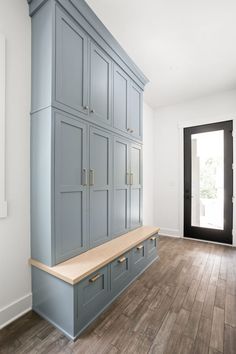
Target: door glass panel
{"type": "Point", "coordinates": [207, 200]}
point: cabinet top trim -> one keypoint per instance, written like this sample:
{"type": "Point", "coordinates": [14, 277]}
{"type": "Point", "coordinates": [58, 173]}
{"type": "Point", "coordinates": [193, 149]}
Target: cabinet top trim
{"type": "Point", "coordinates": [99, 27]}
{"type": "Point", "coordinates": [79, 267]}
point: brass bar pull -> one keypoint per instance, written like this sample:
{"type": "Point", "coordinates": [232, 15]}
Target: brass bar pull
{"type": "Point", "coordinates": [131, 178]}
{"type": "Point", "coordinates": [91, 177]}
{"type": "Point", "coordinates": [96, 277]}
{"type": "Point", "coordinates": [153, 238]}
{"type": "Point", "coordinates": [122, 259]}
{"type": "Point", "coordinates": [84, 177]}
{"type": "Point", "coordinates": [139, 247]}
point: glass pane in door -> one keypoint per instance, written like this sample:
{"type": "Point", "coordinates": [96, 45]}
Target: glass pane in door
{"type": "Point", "coordinates": [207, 199]}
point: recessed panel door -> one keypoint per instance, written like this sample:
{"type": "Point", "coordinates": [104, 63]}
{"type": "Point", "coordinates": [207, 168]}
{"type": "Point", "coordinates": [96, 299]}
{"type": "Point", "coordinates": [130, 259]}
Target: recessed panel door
{"type": "Point", "coordinates": [100, 181]}
{"type": "Point", "coordinates": [71, 80]}
{"type": "Point", "coordinates": [100, 85]}
{"type": "Point", "coordinates": [208, 182]}
{"type": "Point", "coordinates": [121, 92]}
{"type": "Point", "coordinates": [135, 185]}
{"type": "Point", "coordinates": [121, 192]}
{"type": "Point", "coordinates": [135, 116]}
{"type": "Point", "coordinates": [70, 188]}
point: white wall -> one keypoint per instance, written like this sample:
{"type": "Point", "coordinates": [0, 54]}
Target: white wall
{"type": "Point", "coordinates": [15, 286]}
{"type": "Point", "coordinates": [168, 193]}
{"type": "Point", "coordinates": [148, 165]}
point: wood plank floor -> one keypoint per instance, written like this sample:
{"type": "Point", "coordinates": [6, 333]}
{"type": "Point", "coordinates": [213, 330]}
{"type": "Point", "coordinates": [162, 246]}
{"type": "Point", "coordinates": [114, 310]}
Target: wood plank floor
{"type": "Point", "coordinates": [184, 303]}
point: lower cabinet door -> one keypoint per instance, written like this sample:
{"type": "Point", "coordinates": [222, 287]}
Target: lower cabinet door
{"type": "Point", "coordinates": [120, 272]}
{"type": "Point", "coordinates": [138, 258]}
{"type": "Point", "coordinates": [92, 296]}
{"type": "Point", "coordinates": [151, 246]}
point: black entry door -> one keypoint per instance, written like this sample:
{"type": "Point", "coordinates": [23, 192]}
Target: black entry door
{"type": "Point", "coordinates": [208, 182]}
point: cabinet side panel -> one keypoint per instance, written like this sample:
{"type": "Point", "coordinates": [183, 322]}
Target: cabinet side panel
{"type": "Point", "coordinates": [41, 166]}
{"type": "Point", "coordinates": [53, 299]}
{"type": "Point", "coordinates": [42, 41]}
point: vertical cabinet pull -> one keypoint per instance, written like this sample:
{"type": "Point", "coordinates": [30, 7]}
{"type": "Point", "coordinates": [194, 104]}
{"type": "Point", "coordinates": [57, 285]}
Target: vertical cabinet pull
{"type": "Point", "coordinates": [84, 177]}
{"type": "Point", "coordinates": [91, 177]}
{"type": "Point", "coordinates": [131, 178]}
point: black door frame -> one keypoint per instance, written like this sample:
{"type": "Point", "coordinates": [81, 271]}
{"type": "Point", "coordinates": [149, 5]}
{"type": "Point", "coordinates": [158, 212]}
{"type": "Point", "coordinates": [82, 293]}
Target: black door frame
{"type": "Point", "coordinates": [225, 235]}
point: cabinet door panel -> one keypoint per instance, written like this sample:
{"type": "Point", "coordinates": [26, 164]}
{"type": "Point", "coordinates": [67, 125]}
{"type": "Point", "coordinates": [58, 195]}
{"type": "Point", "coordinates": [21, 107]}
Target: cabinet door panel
{"type": "Point", "coordinates": [121, 188]}
{"type": "Point", "coordinates": [100, 186]}
{"type": "Point", "coordinates": [100, 85]}
{"type": "Point", "coordinates": [136, 185]}
{"type": "Point", "coordinates": [121, 87]}
{"type": "Point", "coordinates": [70, 194]}
{"type": "Point", "coordinates": [135, 111]}
{"type": "Point", "coordinates": [71, 64]}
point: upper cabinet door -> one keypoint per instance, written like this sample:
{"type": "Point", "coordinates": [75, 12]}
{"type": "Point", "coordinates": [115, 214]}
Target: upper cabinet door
{"type": "Point", "coordinates": [120, 94]}
{"type": "Point", "coordinates": [100, 85]}
{"type": "Point", "coordinates": [71, 88]}
{"type": "Point", "coordinates": [100, 181]}
{"type": "Point", "coordinates": [70, 188]}
{"type": "Point", "coordinates": [135, 117]}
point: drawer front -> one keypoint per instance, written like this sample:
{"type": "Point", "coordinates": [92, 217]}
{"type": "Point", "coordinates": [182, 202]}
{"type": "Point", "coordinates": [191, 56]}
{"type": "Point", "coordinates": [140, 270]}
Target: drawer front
{"type": "Point", "coordinates": [92, 296]}
{"type": "Point", "coordinates": [138, 258]}
{"type": "Point", "coordinates": [151, 246]}
{"type": "Point", "coordinates": [120, 272]}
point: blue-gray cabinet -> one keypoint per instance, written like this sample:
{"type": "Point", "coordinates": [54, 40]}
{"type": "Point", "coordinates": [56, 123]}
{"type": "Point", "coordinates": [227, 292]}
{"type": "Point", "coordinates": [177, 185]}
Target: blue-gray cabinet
{"type": "Point", "coordinates": [86, 160]}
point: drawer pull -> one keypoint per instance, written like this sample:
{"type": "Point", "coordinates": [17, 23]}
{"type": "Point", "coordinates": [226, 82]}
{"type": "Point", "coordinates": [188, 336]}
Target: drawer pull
{"type": "Point", "coordinates": [153, 238]}
{"type": "Point", "coordinates": [96, 277]}
{"type": "Point", "coordinates": [122, 259]}
{"type": "Point", "coordinates": [140, 247]}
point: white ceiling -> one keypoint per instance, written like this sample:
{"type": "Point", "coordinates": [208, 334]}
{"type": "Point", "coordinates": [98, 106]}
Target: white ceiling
{"type": "Point", "coordinates": [187, 48]}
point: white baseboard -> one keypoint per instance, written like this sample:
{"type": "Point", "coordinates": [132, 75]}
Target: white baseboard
{"type": "Point", "coordinates": [14, 310]}
{"type": "Point", "coordinates": [169, 232]}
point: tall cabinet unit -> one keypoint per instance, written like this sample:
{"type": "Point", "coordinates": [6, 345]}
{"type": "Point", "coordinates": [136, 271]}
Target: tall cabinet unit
{"type": "Point", "coordinates": [86, 149]}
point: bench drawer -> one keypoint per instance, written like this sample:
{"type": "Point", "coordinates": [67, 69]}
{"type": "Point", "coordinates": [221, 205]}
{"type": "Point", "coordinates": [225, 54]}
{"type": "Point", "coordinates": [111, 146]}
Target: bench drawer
{"type": "Point", "coordinates": [120, 272]}
{"type": "Point", "coordinates": [92, 296]}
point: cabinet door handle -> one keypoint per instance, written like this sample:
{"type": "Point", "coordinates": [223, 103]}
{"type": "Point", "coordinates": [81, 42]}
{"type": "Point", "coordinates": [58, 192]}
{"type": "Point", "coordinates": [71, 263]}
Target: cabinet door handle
{"type": "Point", "coordinates": [131, 131]}
{"type": "Point", "coordinates": [127, 179]}
{"type": "Point", "coordinates": [96, 277]}
{"type": "Point", "coordinates": [84, 177]}
{"type": "Point", "coordinates": [91, 177]}
{"type": "Point", "coordinates": [92, 111]}
{"type": "Point", "coordinates": [122, 260]}
{"type": "Point", "coordinates": [128, 129]}
{"type": "Point", "coordinates": [153, 238]}
{"type": "Point", "coordinates": [86, 108]}
{"type": "Point", "coordinates": [140, 247]}
{"type": "Point", "coordinates": [131, 178]}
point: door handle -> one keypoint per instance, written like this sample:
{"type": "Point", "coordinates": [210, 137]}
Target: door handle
{"type": "Point", "coordinates": [140, 247]}
{"type": "Point", "coordinates": [122, 260]}
{"type": "Point", "coordinates": [84, 177]}
{"type": "Point", "coordinates": [91, 177]}
{"type": "Point", "coordinates": [96, 277]}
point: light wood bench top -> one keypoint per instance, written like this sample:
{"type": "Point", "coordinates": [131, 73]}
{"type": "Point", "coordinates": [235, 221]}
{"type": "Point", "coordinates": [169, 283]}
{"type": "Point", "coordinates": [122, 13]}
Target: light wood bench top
{"type": "Point", "coordinates": [79, 267]}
